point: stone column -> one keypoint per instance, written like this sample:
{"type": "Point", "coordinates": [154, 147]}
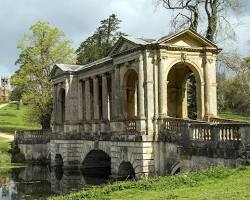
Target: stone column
{"type": "Point", "coordinates": [141, 110]}
{"type": "Point", "coordinates": [149, 88]}
{"type": "Point", "coordinates": [67, 100]}
{"type": "Point", "coordinates": [210, 86]}
{"type": "Point", "coordinates": [162, 88]}
{"type": "Point", "coordinates": [55, 110]}
{"type": "Point", "coordinates": [87, 100]}
{"type": "Point", "coordinates": [105, 97]}
{"type": "Point", "coordinates": [113, 113]}
{"type": "Point", "coordinates": [80, 101]}
{"type": "Point", "coordinates": [116, 107]}
{"type": "Point", "coordinates": [141, 124]}
{"type": "Point", "coordinates": [96, 98]}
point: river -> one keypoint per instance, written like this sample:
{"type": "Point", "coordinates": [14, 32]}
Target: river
{"type": "Point", "coordinates": [37, 182]}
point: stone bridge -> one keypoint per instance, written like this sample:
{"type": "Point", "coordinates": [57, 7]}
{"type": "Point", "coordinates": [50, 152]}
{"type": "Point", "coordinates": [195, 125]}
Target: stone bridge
{"type": "Point", "coordinates": [127, 113]}
{"type": "Point", "coordinates": [181, 145]}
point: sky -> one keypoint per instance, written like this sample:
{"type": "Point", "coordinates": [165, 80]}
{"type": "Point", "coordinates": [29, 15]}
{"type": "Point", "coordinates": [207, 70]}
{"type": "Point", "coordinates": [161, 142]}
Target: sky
{"type": "Point", "coordinates": [79, 18]}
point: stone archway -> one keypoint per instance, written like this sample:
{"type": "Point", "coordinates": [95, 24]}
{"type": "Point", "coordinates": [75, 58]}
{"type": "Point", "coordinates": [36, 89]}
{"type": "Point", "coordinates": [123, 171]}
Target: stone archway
{"type": "Point", "coordinates": [177, 90]}
{"type": "Point", "coordinates": [97, 163]}
{"type": "Point", "coordinates": [58, 160]}
{"type": "Point", "coordinates": [130, 84]}
{"type": "Point", "coordinates": [126, 170]}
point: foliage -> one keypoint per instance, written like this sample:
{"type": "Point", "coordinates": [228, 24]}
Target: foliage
{"type": "Point", "coordinates": [16, 155]}
{"type": "Point", "coordinates": [99, 44]}
{"type": "Point", "coordinates": [169, 187]}
{"type": "Point", "coordinates": [190, 13]}
{"type": "Point", "coordinates": [234, 90]}
{"type": "Point", "coordinates": [191, 95]}
{"type": "Point", "coordinates": [39, 51]}
{"type": "Point", "coordinates": [12, 119]}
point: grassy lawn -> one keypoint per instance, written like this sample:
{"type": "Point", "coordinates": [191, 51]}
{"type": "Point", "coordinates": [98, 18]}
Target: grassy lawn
{"type": "Point", "coordinates": [12, 119]}
{"type": "Point", "coordinates": [4, 147]}
{"type": "Point", "coordinates": [217, 183]}
{"type": "Point", "coordinates": [235, 116]}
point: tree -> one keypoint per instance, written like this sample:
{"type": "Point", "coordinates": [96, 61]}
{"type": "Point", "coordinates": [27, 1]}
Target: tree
{"type": "Point", "coordinates": [39, 51]}
{"type": "Point", "coordinates": [99, 44]}
{"type": "Point", "coordinates": [234, 90]}
{"type": "Point", "coordinates": [187, 13]}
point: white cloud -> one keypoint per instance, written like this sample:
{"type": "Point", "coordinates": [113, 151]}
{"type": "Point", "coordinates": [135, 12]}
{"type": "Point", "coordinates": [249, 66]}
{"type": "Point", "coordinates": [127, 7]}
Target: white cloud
{"type": "Point", "coordinates": [79, 18]}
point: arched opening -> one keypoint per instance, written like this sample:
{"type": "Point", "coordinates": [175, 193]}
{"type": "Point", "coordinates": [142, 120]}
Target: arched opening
{"type": "Point", "coordinates": [130, 87]}
{"type": "Point", "coordinates": [97, 163]}
{"type": "Point", "coordinates": [182, 92]}
{"type": "Point", "coordinates": [126, 170]}
{"type": "Point", "coordinates": [62, 105]}
{"type": "Point", "coordinates": [58, 160]}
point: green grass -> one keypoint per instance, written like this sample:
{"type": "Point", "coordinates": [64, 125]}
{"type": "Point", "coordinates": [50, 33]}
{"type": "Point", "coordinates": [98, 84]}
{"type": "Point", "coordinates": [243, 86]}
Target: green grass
{"type": "Point", "coordinates": [235, 116]}
{"type": "Point", "coordinates": [12, 119]}
{"type": "Point", "coordinates": [4, 155]}
{"type": "Point", "coordinates": [216, 183]}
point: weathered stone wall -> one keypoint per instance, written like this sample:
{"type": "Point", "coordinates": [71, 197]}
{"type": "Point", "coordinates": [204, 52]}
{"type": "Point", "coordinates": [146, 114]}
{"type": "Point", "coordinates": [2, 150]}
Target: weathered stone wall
{"type": "Point", "coordinates": [193, 163]}
{"type": "Point", "coordinates": [73, 152]}
{"type": "Point", "coordinates": [35, 152]}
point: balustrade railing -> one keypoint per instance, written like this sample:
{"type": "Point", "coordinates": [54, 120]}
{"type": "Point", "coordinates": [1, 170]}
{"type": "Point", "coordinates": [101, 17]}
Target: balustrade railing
{"type": "Point", "coordinates": [32, 137]}
{"type": "Point", "coordinates": [202, 131]}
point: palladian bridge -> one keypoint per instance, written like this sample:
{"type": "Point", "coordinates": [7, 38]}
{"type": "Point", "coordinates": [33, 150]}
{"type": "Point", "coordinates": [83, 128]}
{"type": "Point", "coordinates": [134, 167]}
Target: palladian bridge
{"type": "Point", "coordinates": [127, 114]}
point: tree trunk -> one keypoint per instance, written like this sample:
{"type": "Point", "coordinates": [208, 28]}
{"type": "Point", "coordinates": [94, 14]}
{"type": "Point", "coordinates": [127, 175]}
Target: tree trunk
{"type": "Point", "coordinates": [212, 19]}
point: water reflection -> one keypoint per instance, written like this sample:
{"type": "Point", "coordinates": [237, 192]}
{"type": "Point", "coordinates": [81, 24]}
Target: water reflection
{"type": "Point", "coordinates": [38, 182]}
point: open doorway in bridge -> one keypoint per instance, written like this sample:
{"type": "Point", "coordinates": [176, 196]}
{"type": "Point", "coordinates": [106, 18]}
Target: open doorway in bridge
{"type": "Point", "coordinates": [97, 163]}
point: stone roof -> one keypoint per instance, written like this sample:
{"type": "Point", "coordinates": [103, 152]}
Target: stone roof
{"type": "Point", "coordinates": [140, 41]}
{"type": "Point", "coordinates": [68, 68]}
{"type": "Point", "coordinates": [136, 41]}
{"type": "Point", "coordinates": [97, 62]}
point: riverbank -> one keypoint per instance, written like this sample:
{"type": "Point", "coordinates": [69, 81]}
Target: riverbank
{"type": "Point", "coordinates": [217, 183]}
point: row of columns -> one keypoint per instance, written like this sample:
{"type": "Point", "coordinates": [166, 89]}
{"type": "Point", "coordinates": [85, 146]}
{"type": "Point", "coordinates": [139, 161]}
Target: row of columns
{"type": "Point", "coordinates": [90, 101]}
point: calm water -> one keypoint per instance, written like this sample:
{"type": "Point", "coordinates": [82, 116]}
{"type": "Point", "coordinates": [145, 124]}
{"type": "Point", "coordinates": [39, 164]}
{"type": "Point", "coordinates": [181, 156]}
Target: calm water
{"type": "Point", "coordinates": [38, 182]}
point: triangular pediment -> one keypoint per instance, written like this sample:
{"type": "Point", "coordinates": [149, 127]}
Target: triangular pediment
{"type": "Point", "coordinates": [56, 71]}
{"type": "Point", "coordinates": [126, 43]}
{"type": "Point", "coordinates": [187, 38]}
{"type": "Point", "coordinates": [126, 46]}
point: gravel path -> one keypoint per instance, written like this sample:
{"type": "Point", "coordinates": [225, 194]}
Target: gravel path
{"type": "Point", "coordinates": [7, 136]}
{"type": "Point", "coordinates": [3, 105]}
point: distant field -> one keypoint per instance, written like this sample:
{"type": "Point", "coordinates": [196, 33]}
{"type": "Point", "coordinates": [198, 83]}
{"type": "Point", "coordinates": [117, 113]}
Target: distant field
{"type": "Point", "coordinates": [12, 119]}
{"type": "Point", "coordinates": [235, 116]}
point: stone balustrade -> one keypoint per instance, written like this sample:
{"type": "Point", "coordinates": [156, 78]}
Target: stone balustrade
{"type": "Point", "coordinates": [171, 130]}
{"type": "Point", "coordinates": [202, 131]}
{"type": "Point", "coordinates": [33, 137]}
